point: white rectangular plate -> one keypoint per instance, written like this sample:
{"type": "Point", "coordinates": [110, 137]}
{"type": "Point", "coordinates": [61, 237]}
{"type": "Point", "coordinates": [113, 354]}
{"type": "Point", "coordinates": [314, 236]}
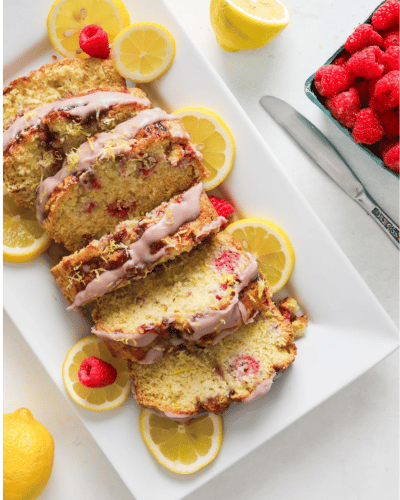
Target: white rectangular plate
{"type": "Point", "coordinates": [348, 330]}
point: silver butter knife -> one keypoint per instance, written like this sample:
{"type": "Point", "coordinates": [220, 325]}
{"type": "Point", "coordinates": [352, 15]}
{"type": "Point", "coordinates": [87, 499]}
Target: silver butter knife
{"type": "Point", "coordinates": [323, 152]}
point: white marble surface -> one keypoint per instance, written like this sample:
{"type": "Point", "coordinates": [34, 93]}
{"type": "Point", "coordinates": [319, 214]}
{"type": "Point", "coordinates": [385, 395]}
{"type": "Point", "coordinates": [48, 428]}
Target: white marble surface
{"type": "Point", "coordinates": [348, 446]}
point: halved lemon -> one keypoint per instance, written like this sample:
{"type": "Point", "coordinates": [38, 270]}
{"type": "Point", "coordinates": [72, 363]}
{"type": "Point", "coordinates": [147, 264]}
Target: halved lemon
{"type": "Point", "coordinates": [23, 238]}
{"type": "Point", "coordinates": [182, 447]}
{"type": "Point", "coordinates": [270, 245]}
{"type": "Point", "coordinates": [99, 398]}
{"type": "Point", "coordinates": [143, 51]}
{"type": "Point", "coordinates": [247, 24]}
{"type": "Point", "coordinates": [67, 18]}
{"type": "Point", "coordinates": [213, 139]}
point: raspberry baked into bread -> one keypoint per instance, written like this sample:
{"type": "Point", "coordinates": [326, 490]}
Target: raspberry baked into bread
{"type": "Point", "coordinates": [240, 368]}
{"type": "Point", "coordinates": [197, 299]}
{"type": "Point", "coordinates": [35, 144]}
{"type": "Point", "coordinates": [55, 81]}
{"type": "Point", "coordinates": [116, 176]}
{"type": "Point", "coordinates": [137, 246]}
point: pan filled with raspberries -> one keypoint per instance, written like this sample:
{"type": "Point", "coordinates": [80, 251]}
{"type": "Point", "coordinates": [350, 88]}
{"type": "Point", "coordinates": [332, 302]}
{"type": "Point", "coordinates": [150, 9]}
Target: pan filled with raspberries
{"type": "Point", "coordinates": [359, 86]}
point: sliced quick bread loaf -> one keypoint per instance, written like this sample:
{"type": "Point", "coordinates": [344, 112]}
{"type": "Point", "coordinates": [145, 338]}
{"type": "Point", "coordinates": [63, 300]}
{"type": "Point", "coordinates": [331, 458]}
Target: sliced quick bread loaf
{"type": "Point", "coordinates": [240, 368]}
{"type": "Point", "coordinates": [136, 247]}
{"type": "Point", "coordinates": [35, 144]}
{"type": "Point", "coordinates": [197, 299]}
{"type": "Point", "coordinates": [117, 176]}
{"type": "Point", "coordinates": [55, 81]}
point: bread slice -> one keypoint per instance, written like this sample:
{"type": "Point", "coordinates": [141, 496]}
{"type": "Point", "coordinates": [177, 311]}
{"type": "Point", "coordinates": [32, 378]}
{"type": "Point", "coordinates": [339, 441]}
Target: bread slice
{"type": "Point", "coordinates": [240, 368]}
{"type": "Point", "coordinates": [35, 144]}
{"type": "Point", "coordinates": [55, 81]}
{"type": "Point", "coordinates": [136, 247]}
{"type": "Point", "coordinates": [196, 299]}
{"type": "Point", "coordinates": [116, 176]}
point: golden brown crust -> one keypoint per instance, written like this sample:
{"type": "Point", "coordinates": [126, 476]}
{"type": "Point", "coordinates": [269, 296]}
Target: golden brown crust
{"type": "Point", "coordinates": [99, 255]}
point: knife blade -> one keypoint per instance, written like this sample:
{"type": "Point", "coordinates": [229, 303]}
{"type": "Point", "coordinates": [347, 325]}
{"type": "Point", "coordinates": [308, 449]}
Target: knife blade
{"type": "Point", "coordinates": [320, 149]}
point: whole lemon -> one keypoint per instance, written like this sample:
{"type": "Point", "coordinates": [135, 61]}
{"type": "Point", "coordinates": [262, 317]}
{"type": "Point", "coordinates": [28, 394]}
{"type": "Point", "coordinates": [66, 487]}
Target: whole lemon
{"type": "Point", "coordinates": [247, 24]}
{"type": "Point", "coordinates": [28, 453]}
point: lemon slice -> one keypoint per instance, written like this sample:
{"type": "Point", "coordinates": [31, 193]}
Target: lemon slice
{"type": "Point", "coordinates": [247, 24]}
{"type": "Point", "coordinates": [270, 245]}
{"type": "Point", "coordinates": [23, 238]}
{"type": "Point", "coordinates": [213, 139]}
{"type": "Point", "coordinates": [67, 18]}
{"type": "Point", "coordinates": [143, 51]}
{"type": "Point", "coordinates": [182, 447]}
{"type": "Point", "coordinates": [99, 398]}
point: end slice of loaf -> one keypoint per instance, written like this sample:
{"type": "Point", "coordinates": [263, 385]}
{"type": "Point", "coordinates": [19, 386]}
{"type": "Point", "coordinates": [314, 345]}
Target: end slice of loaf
{"type": "Point", "coordinates": [136, 247]}
{"type": "Point", "coordinates": [57, 80]}
{"type": "Point", "coordinates": [197, 299]}
{"type": "Point", "coordinates": [117, 176]}
{"type": "Point", "coordinates": [240, 368]}
{"type": "Point", "coordinates": [35, 145]}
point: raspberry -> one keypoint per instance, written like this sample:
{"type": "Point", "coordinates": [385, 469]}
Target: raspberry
{"type": "Point", "coordinates": [222, 207]}
{"type": "Point", "coordinates": [243, 366]}
{"type": "Point", "coordinates": [227, 261]}
{"type": "Point", "coordinates": [362, 89]}
{"type": "Point", "coordinates": [386, 16]}
{"type": "Point", "coordinates": [341, 60]}
{"type": "Point", "coordinates": [331, 79]}
{"type": "Point", "coordinates": [387, 89]}
{"type": "Point", "coordinates": [391, 58]}
{"type": "Point", "coordinates": [344, 106]}
{"type": "Point", "coordinates": [93, 40]}
{"type": "Point", "coordinates": [120, 209]}
{"type": "Point", "coordinates": [95, 372]}
{"type": "Point", "coordinates": [391, 155]}
{"type": "Point", "coordinates": [390, 122]}
{"type": "Point", "coordinates": [366, 63]}
{"type": "Point", "coordinates": [363, 36]}
{"type": "Point", "coordinates": [367, 128]}
{"type": "Point", "coordinates": [390, 37]}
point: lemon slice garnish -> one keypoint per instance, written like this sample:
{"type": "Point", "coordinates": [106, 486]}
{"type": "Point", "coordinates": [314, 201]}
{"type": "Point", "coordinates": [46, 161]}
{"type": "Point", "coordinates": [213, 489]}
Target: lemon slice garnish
{"type": "Point", "coordinates": [143, 51]}
{"type": "Point", "coordinates": [23, 238]}
{"type": "Point", "coordinates": [182, 447]}
{"type": "Point", "coordinates": [67, 18]}
{"type": "Point", "coordinates": [270, 245]}
{"type": "Point", "coordinates": [99, 398]}
{"type": "Point", "coordinates": [247, 24]}
{"type": "Point", "coordinates": [213, 139]}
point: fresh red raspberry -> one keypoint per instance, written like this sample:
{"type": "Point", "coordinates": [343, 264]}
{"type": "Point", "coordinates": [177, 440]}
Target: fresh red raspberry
{"type": "Point", "coordinates": [95, 372]}
{"type": "Point", "coordinates": [222, 207]}
{"type": "Point", "coordinates": [331, 79]}
{"type": "Point", "coordinates": [93, 40]}
{"type": "Point", "coordinates": [227, 261]}
{"type": "Point", "coordinates": [363, 36]}
{"type": "Point", "coordinates": [391, 154]}
{"type": "Point", "coordinates": [386, 16]}
{"type": "Point", "coordinates": [391, 58]}
{"type": "Point", "coordinates": [341, 60]}
{"type": "Point", "coordinates": [390, 122]}
{"type": "Point", "coordinates": [387, 89]}
{"type": "Point", "coordinates": [362, 89]}
{"type": "Point", "coordinates": [344, 106]}
{"type": "Point", "coordinates": [373, 102]}
{"type": "Point", "coordinates": [390, 37]}
{"type": "Point", "coordinates": [243, 366]}
{"type": "Point", "coordinates": [366, 63]}
{"type": "Point", "coordinates": [367, 128]}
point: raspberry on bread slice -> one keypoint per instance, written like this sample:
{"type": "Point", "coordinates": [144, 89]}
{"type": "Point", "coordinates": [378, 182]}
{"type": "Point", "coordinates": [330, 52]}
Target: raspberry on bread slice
{"type": "Point", "coordinates": [117, 176]}
{"type": "Point", "coordinates": [35, 144]}
{"type": "Point", "coordinates": [196, 299]}
{"type": "Point", "coordinates": [240, 368]}
{"type": "Point", "coordinates": [135, 247]}
{"type": "Point", "coordinates": [57, 80]}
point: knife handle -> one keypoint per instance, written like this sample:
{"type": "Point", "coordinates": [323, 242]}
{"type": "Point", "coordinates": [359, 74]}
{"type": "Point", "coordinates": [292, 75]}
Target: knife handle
{"type": "Point", "coordinates": [380, 217]}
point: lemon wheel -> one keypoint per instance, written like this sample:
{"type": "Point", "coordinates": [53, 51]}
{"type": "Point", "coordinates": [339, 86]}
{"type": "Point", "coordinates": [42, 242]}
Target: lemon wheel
{"type": "Point", "coordinates": [100, 398]}
{"type": "Point", "coordinates": [213, 139]}
{"type": "Point", "coordinates": [270, 245]}
{"type": "Point", "coordinates": [67, 18]}
{"type": "Point", "coordinates": [183, 448]}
